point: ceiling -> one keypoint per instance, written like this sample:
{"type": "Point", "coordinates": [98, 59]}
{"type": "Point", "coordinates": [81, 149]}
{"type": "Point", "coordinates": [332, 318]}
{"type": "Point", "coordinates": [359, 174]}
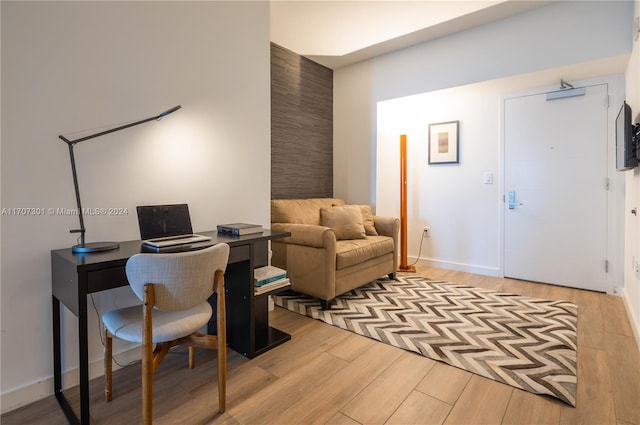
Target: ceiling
{"type": "Point", "coordinates": [337, 33]}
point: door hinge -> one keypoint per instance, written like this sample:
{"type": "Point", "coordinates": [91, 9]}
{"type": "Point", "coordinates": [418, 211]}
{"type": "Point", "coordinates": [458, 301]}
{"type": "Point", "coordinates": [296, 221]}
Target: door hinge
{"type": "Point", "coordinates": [607, 101]}
{"type": "Point", "coordinates": [606, 266]}
{"type": "Point", "coordinates": [606, 183]}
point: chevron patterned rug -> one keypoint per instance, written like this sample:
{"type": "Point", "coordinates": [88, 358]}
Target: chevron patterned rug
{"type": "Point", "coordinates": [524, 342]}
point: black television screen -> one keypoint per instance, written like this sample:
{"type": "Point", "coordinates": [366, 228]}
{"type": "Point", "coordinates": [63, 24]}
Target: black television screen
{"type": "Point", "coordinates": [626, 158]}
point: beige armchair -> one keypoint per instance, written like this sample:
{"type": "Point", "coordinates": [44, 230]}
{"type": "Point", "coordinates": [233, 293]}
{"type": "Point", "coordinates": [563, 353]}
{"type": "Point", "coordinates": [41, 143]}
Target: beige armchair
{"type": "Point", "coordinates": [333, 247]}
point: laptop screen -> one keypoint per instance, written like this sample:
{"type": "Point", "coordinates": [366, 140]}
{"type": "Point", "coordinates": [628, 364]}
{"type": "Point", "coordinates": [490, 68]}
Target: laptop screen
{"type": "Point", "coordinates": [158, 221]}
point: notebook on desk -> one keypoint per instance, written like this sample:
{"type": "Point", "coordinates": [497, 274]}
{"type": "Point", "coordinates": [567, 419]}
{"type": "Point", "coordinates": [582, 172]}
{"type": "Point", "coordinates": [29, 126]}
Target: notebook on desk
{"type": "Point", "coordinates": [166, 225]}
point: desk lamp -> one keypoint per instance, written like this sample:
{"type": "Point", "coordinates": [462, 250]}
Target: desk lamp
{"type": "Point", "coordinates": [83, 247]}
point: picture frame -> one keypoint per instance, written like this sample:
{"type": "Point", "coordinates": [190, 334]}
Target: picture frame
{"type": "Point", "coordinates": [444, 142]}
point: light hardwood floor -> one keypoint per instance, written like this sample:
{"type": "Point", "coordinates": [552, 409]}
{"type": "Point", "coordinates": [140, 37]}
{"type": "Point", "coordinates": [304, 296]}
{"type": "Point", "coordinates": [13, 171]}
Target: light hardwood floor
{"type": "Point", "coordinates": [326, 375]}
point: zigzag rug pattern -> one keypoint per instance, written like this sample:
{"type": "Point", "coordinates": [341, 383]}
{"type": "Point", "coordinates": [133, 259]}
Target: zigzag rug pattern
{"type": "Point", "coordinates": [524, 342]}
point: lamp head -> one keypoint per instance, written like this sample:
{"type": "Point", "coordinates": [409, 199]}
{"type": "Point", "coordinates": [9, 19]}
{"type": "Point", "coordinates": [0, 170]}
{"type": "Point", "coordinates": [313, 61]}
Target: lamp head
{"type": "Point", "coordinates": [168, 111]}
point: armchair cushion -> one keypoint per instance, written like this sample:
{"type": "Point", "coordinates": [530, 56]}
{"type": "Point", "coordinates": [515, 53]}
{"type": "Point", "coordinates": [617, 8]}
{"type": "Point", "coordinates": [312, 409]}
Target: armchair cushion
{"type": "Point", "coordinates": [367, 220]}
{"type": "Point", "coordinates": [356, 251]}
{"type": "Point", "coordinates": [345, 220]}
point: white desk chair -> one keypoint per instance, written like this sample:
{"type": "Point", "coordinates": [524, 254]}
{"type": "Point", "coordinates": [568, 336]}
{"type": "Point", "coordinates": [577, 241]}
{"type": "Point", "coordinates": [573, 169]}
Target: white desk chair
{"type": "Point", "coordinates": [174, 289]}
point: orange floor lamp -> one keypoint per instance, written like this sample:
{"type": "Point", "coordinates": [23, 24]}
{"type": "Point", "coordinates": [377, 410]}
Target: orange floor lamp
{"type": "Point", "coordinates": [403, 267]}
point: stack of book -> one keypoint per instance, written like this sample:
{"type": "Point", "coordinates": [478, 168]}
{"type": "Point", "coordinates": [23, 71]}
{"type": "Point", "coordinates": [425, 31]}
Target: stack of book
{"type": "Point", "coordinates": [239, 229]}
{"type": "Point", "coordinates": [269, 278]}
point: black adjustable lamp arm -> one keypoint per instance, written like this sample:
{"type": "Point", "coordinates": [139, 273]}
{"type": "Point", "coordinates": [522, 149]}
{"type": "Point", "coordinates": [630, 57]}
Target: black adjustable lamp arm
{"type": "Point", "coordinates": [72, 143]}
{"type": "Point", "coordinates": [122, 127]}
{"type": "Point", "coordinates": [81, 230]}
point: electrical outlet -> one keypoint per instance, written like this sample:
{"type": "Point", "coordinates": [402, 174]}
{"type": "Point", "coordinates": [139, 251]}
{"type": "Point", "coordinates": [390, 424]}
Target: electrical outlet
{"type": "Point", "coordinates": [425, 232]}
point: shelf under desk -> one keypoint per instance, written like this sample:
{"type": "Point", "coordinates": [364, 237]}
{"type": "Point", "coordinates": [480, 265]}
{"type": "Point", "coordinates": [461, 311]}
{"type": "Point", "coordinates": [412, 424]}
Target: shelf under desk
{"type": "Point", "coordinates": [74, 276]}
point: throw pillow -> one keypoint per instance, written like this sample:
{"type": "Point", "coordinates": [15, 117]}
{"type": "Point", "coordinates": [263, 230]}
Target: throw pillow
{"type": "Point", "coordinates": [367, 220]}
{"type": "Point", "coordinates": [346, 221]}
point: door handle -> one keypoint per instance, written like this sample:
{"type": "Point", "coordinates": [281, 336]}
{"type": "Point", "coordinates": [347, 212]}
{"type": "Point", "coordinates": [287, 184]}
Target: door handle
{"type": "Point", "coordinates": [512, 200]}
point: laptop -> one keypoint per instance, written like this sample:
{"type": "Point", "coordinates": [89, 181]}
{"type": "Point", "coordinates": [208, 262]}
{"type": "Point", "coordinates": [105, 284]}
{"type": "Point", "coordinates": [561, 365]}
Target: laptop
{"type": "Point", "coordinates": [166, 225]}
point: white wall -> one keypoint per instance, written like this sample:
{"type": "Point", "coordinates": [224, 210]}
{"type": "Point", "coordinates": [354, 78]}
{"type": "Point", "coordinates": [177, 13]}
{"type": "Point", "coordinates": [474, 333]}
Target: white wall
{"type": "Point", "coordinates": [465, 215]}
{"type": "Point", "coordinates": [451, 199]}
{"type": "Point", "coordinates": [557, 35]}
{"type": "Point", "coordinates": [68, 66]}
{"type": "Point", "coordinates": [632, 196]}
{"type": "Point", "coordinates": [572, 40]}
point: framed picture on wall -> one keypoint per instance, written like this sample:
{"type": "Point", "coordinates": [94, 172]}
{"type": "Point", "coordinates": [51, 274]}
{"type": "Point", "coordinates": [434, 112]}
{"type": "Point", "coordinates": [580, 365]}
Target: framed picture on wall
{"type": "Point", "coordinates": [443, 143]}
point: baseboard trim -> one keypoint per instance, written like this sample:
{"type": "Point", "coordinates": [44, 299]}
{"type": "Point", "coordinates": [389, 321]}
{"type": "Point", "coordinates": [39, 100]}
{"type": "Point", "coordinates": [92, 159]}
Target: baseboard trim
{"type": "Point", "coordinates": [634, 326]}
{"type": "Point", "coordinates": [27, 394]}
{"type": "Point", "coordinates": [461, 267]}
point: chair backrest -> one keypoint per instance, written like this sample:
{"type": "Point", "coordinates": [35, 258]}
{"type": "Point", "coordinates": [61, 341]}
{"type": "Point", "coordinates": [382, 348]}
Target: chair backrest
{"type": "Point", "coordinates": [181, 280]}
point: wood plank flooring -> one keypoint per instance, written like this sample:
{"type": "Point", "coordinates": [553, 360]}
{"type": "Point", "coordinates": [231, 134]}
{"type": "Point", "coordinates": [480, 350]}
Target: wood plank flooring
{"type": "Point", "coordinates": [326, 375]}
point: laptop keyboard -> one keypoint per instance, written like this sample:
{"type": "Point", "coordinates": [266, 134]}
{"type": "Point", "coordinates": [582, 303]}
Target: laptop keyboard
{"type": "Point", "coordinates": [176, 240]}
{"type": "Point", "coordinates": [171, 238]}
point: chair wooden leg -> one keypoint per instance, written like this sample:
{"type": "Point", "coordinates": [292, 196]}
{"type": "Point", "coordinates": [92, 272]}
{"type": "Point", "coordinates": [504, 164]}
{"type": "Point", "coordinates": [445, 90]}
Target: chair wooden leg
{"type": "Point", "coordinates": [192, 357]}
{"type": "Point", "coordinates": [222, 378]}
{"type": "Point", "coordinates": [147, 356]}
{"type": "Point", "coordinates": [108, 365]}
{"type": "Point", "coordinates": [221, 320]}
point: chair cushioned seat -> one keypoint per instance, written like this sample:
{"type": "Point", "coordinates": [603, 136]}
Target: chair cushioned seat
{"type": "Point", "coordinates": [126, 323]}
{"type": "Point", "coordinates": [355, 251]}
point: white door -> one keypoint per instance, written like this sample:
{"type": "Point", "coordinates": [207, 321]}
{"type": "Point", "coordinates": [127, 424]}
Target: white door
{"type": "Point", "coordinates": [555, 207]}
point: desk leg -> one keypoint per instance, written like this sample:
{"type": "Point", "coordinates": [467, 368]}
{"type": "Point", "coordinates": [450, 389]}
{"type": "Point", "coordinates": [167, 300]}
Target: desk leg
{"type": "Point", "coordinates": [83, 330]}
{"type": "Point", "coordinates": [57, 356]}
{"type": "Point", "coordinates": [84, 365]}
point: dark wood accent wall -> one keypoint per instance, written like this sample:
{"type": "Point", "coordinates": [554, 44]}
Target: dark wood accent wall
{"type": "Point", "coordinates": [301, 127]}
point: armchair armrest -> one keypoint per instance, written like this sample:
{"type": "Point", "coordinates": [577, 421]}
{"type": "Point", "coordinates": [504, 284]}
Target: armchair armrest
{"type": "Point", "coordinates": [309, 255]}
{"type": "Point", "coordinates": [307, 234]}
{"type": "Point", "coordinates": [387, 226]}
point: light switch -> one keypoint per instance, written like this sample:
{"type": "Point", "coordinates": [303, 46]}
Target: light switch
{"type": "Point", "coordinates": [487, 177]}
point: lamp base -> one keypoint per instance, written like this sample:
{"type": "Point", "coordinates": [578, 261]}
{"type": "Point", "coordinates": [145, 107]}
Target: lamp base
{"type": "Point", "coordinates": [95, 247]}
{"type": "Point", "coordinates": [407, 269]}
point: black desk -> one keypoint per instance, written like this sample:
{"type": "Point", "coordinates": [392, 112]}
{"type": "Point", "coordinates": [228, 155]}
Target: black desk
{"type": "Point", "coordinates": [74, 276]}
